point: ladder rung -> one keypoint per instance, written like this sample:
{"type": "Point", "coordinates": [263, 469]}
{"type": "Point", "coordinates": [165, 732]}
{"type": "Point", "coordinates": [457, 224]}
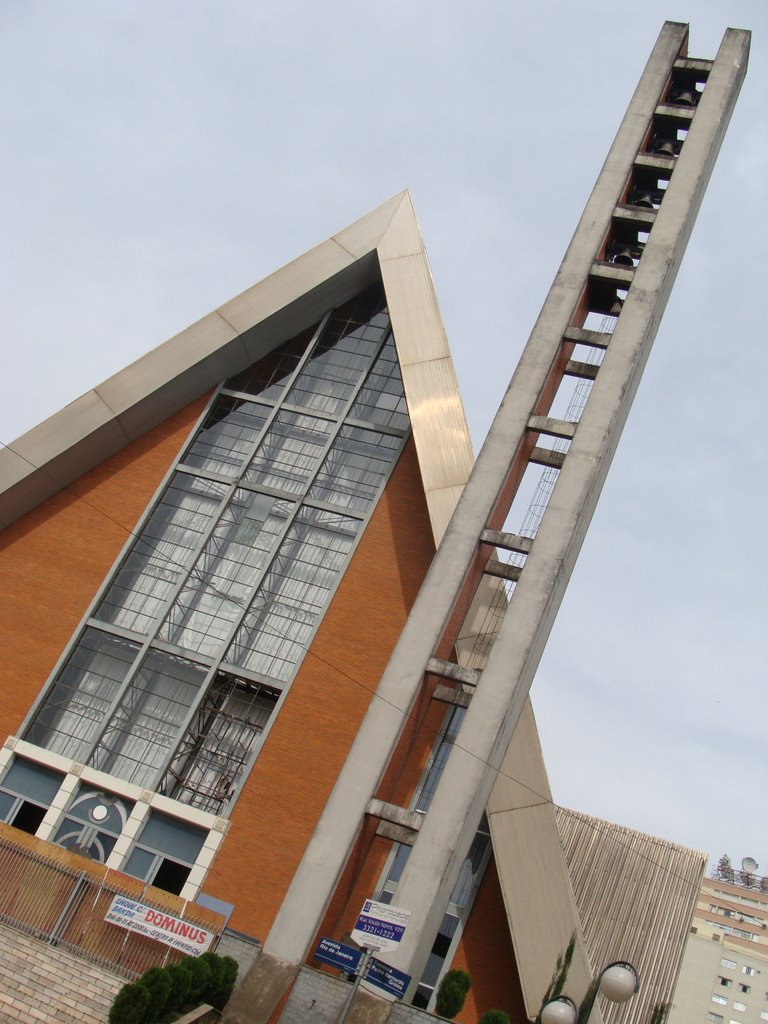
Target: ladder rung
{"type": "Point", "coordinates": [575, 368]}
{"type": "Point", "coordinates": [452, 695]}
{"type": "Point", "coordinates": [597, 339]}
{"type": "Point", "coordinates": [394, 813]}
{"type": "Point", "coordinates": [450, 670]}
{"type": "Point", "coordinates": [502, 570]}
{"type": "Point", "coordinates": [613, 272]}
{"type": "Point", "coordinates": [552, 427]}
{"type": "Point", "coordinates": [675, 113]}
{"type": "Point", "coordinates": [638, 216]}
{"type": "Point", "coordinates": [508, 541]}
{"type": "Point", "coordinates": [396, 833]}
{"type": "Point", "coordinates": [547, 457]}
{"type": "Point", "coordinates": [655, 162]}
{"type": "Point", "coordinates": [693, 64]}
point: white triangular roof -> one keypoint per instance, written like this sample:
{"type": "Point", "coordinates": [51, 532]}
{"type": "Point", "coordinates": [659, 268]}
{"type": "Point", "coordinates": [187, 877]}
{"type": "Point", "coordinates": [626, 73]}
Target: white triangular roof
{"type": "Point", "coordinates": [386, 241]}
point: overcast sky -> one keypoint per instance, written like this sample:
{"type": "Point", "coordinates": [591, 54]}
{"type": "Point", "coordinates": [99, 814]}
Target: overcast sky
{"type": "Point", "coordinates": [160, 157]}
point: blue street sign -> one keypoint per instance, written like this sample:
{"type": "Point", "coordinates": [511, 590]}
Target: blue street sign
{"type": "Point", "coordinates": [344, 957]}
{"type": "Point", "coordinates": [391, 980]}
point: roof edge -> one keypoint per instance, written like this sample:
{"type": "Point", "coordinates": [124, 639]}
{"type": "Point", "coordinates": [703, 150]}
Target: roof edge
{"type": "Point", "coordinates": [125, 406]}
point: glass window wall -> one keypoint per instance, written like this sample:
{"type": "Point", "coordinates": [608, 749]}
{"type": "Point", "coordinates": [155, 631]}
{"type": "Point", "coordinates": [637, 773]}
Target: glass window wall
{"type": "Point", "coordinates": [234, 565]}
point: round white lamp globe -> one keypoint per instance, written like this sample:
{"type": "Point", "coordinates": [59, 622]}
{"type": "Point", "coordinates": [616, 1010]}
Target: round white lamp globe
{"type": "Point", "coordinates": [559, 1011]}
{"type": "Point", "coordinates": [619, 982]}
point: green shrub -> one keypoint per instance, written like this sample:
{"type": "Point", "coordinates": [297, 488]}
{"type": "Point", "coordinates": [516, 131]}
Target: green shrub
{"type": "Point", "coordinates": [494, 1017]}
{"type": "Point", "coordinates": [452, 993]}
{"type": "Point", "coordinates": [130, 1005]}
{"type": "Point", "coordinates": [162, 991]}
{"type": "Point", "coordinates": [216, 976]}
{"type": "Point", "coordinates": [158, 983]}
{"type": "Point", "coordinates": [221, 989]}
{"type": "Point", "coordinates": [201, 979]}
{"type": "Point", "coordinates": [181, 984]}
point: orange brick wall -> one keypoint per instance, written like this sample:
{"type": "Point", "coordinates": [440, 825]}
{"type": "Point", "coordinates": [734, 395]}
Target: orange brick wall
{"type": "Point", "coordinates": [53, 559]}
{"type": "Point", "coordinates": [285, 793]}
{"type": "Point", "coordinates": [485, 952]}
{"type": "Point", "coordinates": [358, 885]}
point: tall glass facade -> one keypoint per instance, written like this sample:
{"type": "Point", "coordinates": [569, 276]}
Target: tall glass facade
{"type": "Point", "coordinates": [212, 607]}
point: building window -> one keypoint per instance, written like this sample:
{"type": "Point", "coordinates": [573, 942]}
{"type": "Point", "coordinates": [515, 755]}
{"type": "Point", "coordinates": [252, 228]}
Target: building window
{"type": "Point", "coordinates": [165, 852]}
{"type": "Point", "coordinates": [720, 999]}
{"type": "Point", "coordinates": [764, 1015]}
{"type": "Point", "coordinates": [208, 615]}
{"type": "Point", "coordinates": [26, 794]}
{"type": "Point", "coordinates": [716, 1018]}
{"type": "Point", "coordinates": [730, 930]}
{"type": "Point", "coordinates": [219, 743]}
{"type": "Point", "coordinates": [77, 703]}
{"type": "Point", "coordinates": [731, 964]}
{"type": "Point", "coordinates": [724, 981]}
{"type": "Point", "coordinates": [741, 1007]}
{"type": "Point", "coordinates": [436, 960]}
{"type": "Point", "coordinates": [93, 823]}
{"type": "Point", "coordinates": [749, 970]}
{"type": "Point", "coordinates": [744, 988]}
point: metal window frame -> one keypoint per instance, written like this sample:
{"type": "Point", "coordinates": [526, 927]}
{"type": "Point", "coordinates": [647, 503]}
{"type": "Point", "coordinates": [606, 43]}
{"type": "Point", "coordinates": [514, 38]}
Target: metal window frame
{"type": "Point", "coordinates": [215, 664]}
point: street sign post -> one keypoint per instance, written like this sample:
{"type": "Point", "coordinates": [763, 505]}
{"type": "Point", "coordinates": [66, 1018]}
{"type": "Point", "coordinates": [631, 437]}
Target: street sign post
{"type": "Point", "coordinates": [379, 927]}
{"type": "Point", "coordinates": [355, 985]}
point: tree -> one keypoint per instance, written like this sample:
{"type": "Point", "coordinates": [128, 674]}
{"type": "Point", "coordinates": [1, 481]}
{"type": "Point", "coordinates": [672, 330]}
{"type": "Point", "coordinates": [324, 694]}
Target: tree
{"type": "Point", "coordinates": [560, 973]}
{"type": "Point", "coordinates": [157, 982]}
{"type": "Point", "coordinates": [130, 1005]}
{"type": "Point", "coordinates": [659, 1013]}
{"type": "Point", "coordinates": [452, 993]}
{"type": "Point", "coordinates": [494, 1017]}
{"type": "Point", "coordinates": [174, 989]}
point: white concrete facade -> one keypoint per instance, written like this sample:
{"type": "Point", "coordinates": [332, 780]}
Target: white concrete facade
{"type": "Point", "coordinates": [724, 974]}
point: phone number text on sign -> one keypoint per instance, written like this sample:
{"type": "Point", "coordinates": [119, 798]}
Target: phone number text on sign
{"type": "Point", "coordinates": [380, 926]}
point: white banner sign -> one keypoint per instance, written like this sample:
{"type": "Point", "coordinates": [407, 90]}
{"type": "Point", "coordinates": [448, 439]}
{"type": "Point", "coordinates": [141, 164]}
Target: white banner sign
{"type": "Point", "coordinates": [380, 926]}
{"type": "Point", "coordinates": [178, 934]}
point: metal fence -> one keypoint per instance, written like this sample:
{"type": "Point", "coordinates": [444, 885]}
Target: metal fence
{"type": "Point", "coordinates": [63, 904]}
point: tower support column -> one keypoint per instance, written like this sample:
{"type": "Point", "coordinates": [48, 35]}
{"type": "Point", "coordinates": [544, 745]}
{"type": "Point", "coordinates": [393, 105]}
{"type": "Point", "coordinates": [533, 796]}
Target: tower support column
{"type": "Point", "coordinates": [584, 279]}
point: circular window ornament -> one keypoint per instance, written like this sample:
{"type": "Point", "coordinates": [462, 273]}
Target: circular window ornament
{"type": "Point", "coordinates": [99, 812]}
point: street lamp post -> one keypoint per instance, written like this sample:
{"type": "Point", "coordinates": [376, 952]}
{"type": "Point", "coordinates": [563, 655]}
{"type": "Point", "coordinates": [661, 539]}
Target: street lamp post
{"type": "Point", "coordinates": [618, 982]}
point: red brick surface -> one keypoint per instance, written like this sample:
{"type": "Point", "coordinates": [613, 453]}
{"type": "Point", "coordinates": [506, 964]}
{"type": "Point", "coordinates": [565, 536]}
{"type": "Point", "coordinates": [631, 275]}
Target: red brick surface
{"type": "Point", "coordinates": [285, 793]}
{"type": "Point", "coordinates": [485, 952]}
{"type": "Point", "coordinates": [53, 559]}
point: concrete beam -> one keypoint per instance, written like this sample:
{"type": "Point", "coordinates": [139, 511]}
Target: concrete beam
{"type": "Point", "coordinates": [450, 670]}
{"type": "Point", "coordinates": [452, 695]}
{"type": "Point", "coordinates": [595, 339]}
{"type": "Point", "coordinates": [508, 541]}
